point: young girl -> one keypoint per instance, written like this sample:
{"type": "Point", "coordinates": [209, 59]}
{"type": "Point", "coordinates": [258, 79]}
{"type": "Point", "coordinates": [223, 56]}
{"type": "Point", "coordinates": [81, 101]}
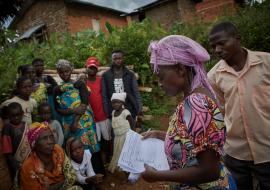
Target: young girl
{"type": "Point", "coordinates": [39, 91]}
{"type": "Point", "coordinates": [45, 114]}
{"type": "Point", "coordinates": [15, 146]}
{"type": "Point", "coordinates": [121, 122]}
{"type": "Point", "coordinates": [81, 162]}
{"type": "Point", "coordinates": [23, 93]}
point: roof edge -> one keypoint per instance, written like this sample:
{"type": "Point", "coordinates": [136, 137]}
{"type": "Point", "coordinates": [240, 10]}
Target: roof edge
{"type": "Point", "coordinates": [95, 5]}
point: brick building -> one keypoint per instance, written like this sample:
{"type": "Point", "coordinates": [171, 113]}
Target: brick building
{"type": "Point", "coordinates": [50, 16]}
{"type": "Point", "coordinates": [44, 17]}
{"type": "Point", "coordinates": [167, 12]}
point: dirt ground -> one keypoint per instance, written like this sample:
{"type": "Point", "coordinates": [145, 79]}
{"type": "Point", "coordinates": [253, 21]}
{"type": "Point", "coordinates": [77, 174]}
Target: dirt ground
{"type": "Point", "coordinates": [116, 182]}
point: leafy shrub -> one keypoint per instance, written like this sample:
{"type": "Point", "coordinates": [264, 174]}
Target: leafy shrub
{"type": "Point", "coordinates": [252, 22]}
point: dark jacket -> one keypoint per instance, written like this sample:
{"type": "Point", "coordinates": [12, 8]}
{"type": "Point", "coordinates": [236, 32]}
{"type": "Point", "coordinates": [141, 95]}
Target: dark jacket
{"type": "Point", "coordinates": [133, 101]}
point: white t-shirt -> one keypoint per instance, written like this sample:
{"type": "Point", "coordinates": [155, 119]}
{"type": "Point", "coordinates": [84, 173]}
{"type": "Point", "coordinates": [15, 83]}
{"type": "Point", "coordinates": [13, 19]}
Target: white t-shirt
{"type": "Point", "coordinates": [85, 169]}
{"type": "Point", "coordinates": [119, 85]}
{"type": "Point", "coordinates": [27, 107]}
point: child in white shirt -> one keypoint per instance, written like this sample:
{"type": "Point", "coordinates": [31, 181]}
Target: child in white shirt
{"type": "Point", "coordinates": [81, 162]}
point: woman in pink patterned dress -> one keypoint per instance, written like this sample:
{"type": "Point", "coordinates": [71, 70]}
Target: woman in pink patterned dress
{"type": "Point", "coordinates": [196, 133]}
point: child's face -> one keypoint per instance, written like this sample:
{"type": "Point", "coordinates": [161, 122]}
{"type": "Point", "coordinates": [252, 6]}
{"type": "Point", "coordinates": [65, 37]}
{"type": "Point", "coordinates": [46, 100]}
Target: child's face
{"type": "Point", "coordinates": [25, 88]}
{"type": "Point", "coordinates": [15, 116]}
{"type": "Point", "coordinates": [64, 73]}
{"type": "Point", "coordinates": [77, 151]}
{"type": "Point", "coordinates": [30, 73]}
{"type": "Point", "coordinates": [45, 113]}
{"type": "Point", "coordinates": [117, 104]}
{"type": "Point", "coordinates": [92, 71]}
{"type": "Point", "coordinates": [39, 67]}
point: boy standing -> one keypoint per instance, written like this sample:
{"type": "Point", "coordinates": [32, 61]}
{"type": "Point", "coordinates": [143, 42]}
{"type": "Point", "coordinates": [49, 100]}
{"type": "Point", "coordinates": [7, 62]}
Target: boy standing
{"type": "Point", "coordinates": [103, 126]}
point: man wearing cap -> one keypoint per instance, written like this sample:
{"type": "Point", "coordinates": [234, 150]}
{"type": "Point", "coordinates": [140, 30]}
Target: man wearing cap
{"type": "Point", "coordinates": [120, 79]}
{"type": "Point", "coordinates": [103, 126]}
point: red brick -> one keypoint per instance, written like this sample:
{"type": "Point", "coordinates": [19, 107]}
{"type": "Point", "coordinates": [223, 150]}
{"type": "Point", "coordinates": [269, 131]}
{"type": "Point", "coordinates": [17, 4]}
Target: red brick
{"type": "Point", "coordinates": [80, 17]}
{"type": "Point", "coordinates": [210, 9]}
{"type": "Point", "coordinates": [50, 12]}
{"type": "Point", "coordinates": [63, 17]}
{"type": "Point", "coordinates": [165, 14]}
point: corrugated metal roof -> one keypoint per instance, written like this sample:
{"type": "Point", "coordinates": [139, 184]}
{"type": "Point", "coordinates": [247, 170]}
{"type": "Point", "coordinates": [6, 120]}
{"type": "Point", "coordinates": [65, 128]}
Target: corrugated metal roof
{"type": "Point", "coordinates": [28, 33]}
{"type": "Point", "coordinates": [124, 6]}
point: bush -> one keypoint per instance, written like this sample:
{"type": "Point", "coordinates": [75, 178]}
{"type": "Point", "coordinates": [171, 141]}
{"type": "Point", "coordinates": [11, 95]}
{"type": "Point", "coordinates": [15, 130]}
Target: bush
{"type": "Point", "coordinates": [134, 41]}
{"type": "Point", "coordinates": [252, 22]}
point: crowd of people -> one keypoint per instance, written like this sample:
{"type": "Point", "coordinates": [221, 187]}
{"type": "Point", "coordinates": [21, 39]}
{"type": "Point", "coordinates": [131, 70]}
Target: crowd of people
{"type": "Point", "coordinates": [65, 136]}
{"type": "Point", "coordinates": [59, 136]}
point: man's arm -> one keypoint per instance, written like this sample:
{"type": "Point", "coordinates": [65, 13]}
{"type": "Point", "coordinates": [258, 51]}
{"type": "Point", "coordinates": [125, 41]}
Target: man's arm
{"type": "Point", "coordinates": [136, 94]}
{"type": "Point", "coordinates": [105, 98]}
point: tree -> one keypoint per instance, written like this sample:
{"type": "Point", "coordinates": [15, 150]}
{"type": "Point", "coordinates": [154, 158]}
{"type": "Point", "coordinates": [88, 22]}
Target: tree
{"type": "Point", "coordinates": [9, 8]}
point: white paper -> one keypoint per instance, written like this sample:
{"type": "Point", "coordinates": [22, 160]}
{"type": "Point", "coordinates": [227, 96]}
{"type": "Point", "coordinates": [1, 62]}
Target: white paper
{"type": "Point", "coordinates": [137, 152]}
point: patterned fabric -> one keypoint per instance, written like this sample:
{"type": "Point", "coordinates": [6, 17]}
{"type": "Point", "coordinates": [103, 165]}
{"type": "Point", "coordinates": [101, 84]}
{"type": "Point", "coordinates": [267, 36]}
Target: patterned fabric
{"type": "Point", "coordinates": [197, 125]}
{"type": "Point", "coordinates": [34, 132]}
{"type": "Point", "coordinates": [70, 98]}
{"type": "Point", "coordinates": [24, 148]}
{"type": "Point", "coordinates": [40, 94]}
{"type": "Point", "coordinates": [34, 176]}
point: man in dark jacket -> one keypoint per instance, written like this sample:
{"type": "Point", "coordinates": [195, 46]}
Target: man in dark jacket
{"type": "Point", "coordinates": [120, 79]}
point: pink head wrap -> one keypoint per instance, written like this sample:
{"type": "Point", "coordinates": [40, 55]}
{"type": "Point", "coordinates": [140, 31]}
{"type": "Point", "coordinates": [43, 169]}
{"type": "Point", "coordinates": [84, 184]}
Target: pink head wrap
{"type": "Point", "coordinates": [177, 49]}
{"type": "Point", "coordinates": [34, 132]}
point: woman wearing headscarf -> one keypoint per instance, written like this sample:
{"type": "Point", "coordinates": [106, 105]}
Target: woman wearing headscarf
{"type": "Point", "coordinates": [196, 133]}
{"type": "Point", "coordinates": [77, 117]}
{"type": "Point", "coordinates": [47, 168]}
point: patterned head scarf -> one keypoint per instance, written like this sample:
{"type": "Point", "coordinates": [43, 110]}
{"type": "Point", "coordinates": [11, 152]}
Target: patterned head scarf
{"type": "Point", "coordinates": [64, 63]}
{"type": "Point", "coordinates": [34, 132]}
{"type": "Point", "coordinates": [177, 49]}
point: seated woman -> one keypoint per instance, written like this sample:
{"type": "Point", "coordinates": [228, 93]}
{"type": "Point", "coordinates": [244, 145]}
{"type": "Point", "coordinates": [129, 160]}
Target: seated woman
{"type": "Point", "coordinates": [47, 168]}
{"type": "Point", "coordinates": [196, 134]}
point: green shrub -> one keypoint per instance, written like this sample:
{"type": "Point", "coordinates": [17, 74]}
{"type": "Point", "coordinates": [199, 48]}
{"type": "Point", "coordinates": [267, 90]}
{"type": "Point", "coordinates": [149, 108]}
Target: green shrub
{"type": "Point", "coordinates": [252, 22]}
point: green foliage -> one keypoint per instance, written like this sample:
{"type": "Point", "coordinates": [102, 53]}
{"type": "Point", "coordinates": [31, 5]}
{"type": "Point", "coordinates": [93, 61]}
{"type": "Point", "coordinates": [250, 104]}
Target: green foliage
{"type": "Point", "coordinates": [254, 26]}
{"type": "Point", "coordinates": [252, 22]}
{"type": "Point", "coordinates": [134, 40]}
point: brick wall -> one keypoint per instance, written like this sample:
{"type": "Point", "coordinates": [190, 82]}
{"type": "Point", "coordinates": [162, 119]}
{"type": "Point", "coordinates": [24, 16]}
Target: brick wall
{"type": "Point", "coordinates": [165, 14]}
{"type": "Point", "coordinates": [170, 12]}
{"type": "Point", "coordinates": [187, 10]}
{"type": "Point", "coordinates": [50, 12]}
{"type": "Point", "coordinates": [80, 17]}
{"type": "Point", "coordinates": [210, 9]}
